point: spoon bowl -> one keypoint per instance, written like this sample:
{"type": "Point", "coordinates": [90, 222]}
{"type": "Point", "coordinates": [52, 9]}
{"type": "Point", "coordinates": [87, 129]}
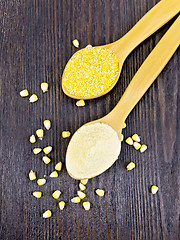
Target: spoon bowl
{"type": "Point", "coordinates": [89, 164]}
{"type": "Point", "coordinates": [160, 14]}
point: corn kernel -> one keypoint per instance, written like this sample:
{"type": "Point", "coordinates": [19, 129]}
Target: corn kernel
{"type": "Point", "coordinates": [86, 205]}
{"type": "Point", "coordinates": [80, 103]}
{"type": "Point", "coordinates": [33, 98]}
{"type": "Point", "coordinates": [82, 187]}
{"type": "Point", "coordinates": [100, 192]}
{"type": "Point", "coordinates": [81, 194]}
{"type": "Point", "coordinates": [58, 166]}
{"type": "Point", "coordinates": [37, 194]}
{"type": "Point", "coordinates": [129, 141]}
{"type": "Point", "coordinates": [47, 150]}
{"type": "Point", "coordinates": [54, 174]}
{"type": "Point", "coordinates": [130, 166]}
{"type": "Point", "coordinates": [44, 87]}
{"type": "Point", "coordinates": [24, 93]}
{"type": "Point", "coordinates": [41, 181]}
{"type": "Point", "coordinates": [75, 43]}
{"type": "Point", "coordinates": [84, 181]}
{"type": "Point", "coordinates": [40, 133]}
{"type": "Point", "coordinates": [66, 134]}
{"type": "Point", "coordinates": [37, 150]}
{"type": "Point", "coordinates": [154, 189]}
{"type": "Point", "coordinates": [47, 214]}
{"type": "Point", "coordinates": [122, 137]}
{"type": "Point", "coordinates": [124, 125]}
{"type": "Point", "coordinates": [32, 175]}
{"type": "Point", "coordinates": [75, 200]}
{"type": "Point", "coordinates": [89, 46]}
{"type": "Point", "coordinates": [47, 124]}
{"type": "Point", "coordinates": [46, 160]}
{"type": "Point", "coordinates": [136, 138]}
{"type": "Point", "coordinates": [61, 205]}
{"type": "Point", "coordinates": [143, 148]}
{"type": "Point", "coordinates": [32, 139]}
{"type": "Point", "coordinates": [136, 145]}
{"type": "Point", "coordinates": [56, 194]}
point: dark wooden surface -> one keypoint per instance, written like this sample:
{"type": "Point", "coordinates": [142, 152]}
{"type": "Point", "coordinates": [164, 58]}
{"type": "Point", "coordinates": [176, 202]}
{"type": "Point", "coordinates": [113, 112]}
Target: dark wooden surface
{"type": "Point", "coordinates": [35, 45]}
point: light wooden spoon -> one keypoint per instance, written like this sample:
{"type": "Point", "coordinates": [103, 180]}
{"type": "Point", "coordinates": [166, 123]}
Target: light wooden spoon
{"type": "Point", "coordinates": [160, 14]}
{"type": "Point", "coordinates": [142, 80]}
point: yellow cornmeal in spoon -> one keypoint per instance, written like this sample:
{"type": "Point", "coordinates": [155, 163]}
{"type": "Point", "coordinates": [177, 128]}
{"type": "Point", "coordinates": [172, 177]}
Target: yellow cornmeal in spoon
{"type": "Point", "coordinates": [90, 72]}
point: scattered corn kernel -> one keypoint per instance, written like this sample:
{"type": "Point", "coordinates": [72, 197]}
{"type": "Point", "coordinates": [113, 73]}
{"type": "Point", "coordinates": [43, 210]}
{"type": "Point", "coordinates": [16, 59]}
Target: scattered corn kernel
{"type": "Point", "coordinates": [136, 138]}
{"type": "Point", "coordinates": [66, 134]}
{"type": "Point", "coordinates": [32, 139]}
{"type": "Point", "coordinates": [136, 145]}
{"type": "Point", "coordinates": [33, 98]}
{"type": "Point", "coordinates": [44, 87]}
{"type": "Point", "coordinates": [56, 194]}
{"type": "Point", "coordinates": [47, 214]}
{"type": "Point", "coordinates": [32, 175]}
{"type": "Point", "coordinates": [46, 160]}
{"type": "Point", "coordinates": [41, 181]}
{"type": "Point", "coordinates": [37, 194]}
{"type": "Point", "coordinates": [86, 205]}
{"type": "Point", "coordinates": [124, 125]}
{"type": "Point", "coordinates": [75, 43]}
{"type": "Point", "coordinates": [47, 124]}
{"type": "Point", "coordinates": [47, 150]}
{"type": "Point", "coordinates": [129, 141]}
{"type": "Point", "coordinates": [89, 45]}
{"type": "Point", "coordinates": [81, 186]}
{"type": "Point", "coordinates": [75, 200]}
{"type": "Point", "coordinates": [100, 192]}
{"type": "Point", "coordinates": [58, 166]}
{"type": "Point", "coordinates": [40, 133]}
{"type": "Point", "coordinates": [143, 148]}
{"type": "Point", "coordinates": [81, 194]}
{"type": "Point", "coordinates": [37, 150]}
{"type": "Point", "coordinates": [54, 174]}
{"type": "Point", "coordinates": [61, 205]}
{"type": "Point", "coordinates": [24, 93]}
{"type": "Point", "coordinates": [122, 137]}
{"type": "Point", "coordinates": [80, 103]}
{"type": "Point", "coordinates": [84, 181]}
{"type": "Point", "coordinates": [154, 189]}
{"type": "Point", "coordinates": [130, 166]}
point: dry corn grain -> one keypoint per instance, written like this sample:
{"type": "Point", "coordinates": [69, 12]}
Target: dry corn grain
{"type": "Point", "coordinates": [47, 149]}
{"type": "Point", "coordinates": [56, 194]}
{"type": "Point", "coordinates": [75, 43]}
{"type": "Point", "coordinates": [58, 166]}
{"type": "Point", "coordinates": [24, 93]}
{"type": "Point", "coordinates": [129, 141]}
{"type": "Point", "coordinates": [32, 139]}
{"type": "Point", "coordinates": [136, 145]}
{"type": "Point", "coordinates": [54, 174]}
{"type": "Point", "coordinates": [80, 103]}
{"type": "Point", "coordinates": [47, 124]}
{"type": "Point", "coordinates": [61, 205]}
{"type": "Point", "coordinates": [81, 194]}
{"type": "Point", "coordinates": [46, 159]}
{"type": "Point", "coordinates": [86, 205]}
{"type": "Point", "coordinates": [100, 192]}
{"type": "Point", "coordinates": [75, 200]}
{"type": "Point", "coordinates": [154, 189]}
{"type": "Point", "coordinates": [37, 194]}
{"type": "Point", "coordinates": [41, 181]}
{"type": "Point", "coordinates": [33, 98]}
{"type": "Point", "coordinates": [37, 150]}
{"type": "Point", "coordinates": [40, 133]}
{"type": "Point", "coordinates": [81, 186]}
{"type": "Point", "coordinates": [136, 138]}
{"type": "Point", "coordinates": [66, 134]}
{"type": "Point", "coordinates": [32, 175]}
{"type": "Point", "coordinates": [84, 181]}
{"type": "Point", "coordinates": [47, 214]}
{"type": "Point", "coordinates": [130, 166]}
{"type": "Point", "coordinates": [143, 148]}
{"type": "Point", "coordinates": [44, 87]}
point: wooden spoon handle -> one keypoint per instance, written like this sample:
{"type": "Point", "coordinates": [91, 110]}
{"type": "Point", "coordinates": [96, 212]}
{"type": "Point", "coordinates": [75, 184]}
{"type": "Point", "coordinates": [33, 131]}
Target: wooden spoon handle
{"type": "Point", "coordinates": [160, 14]}
{"type": "Point", "coordinates": [145, 76]}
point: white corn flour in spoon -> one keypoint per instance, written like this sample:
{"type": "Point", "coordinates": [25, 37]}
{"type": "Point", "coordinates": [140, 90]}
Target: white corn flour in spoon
{"type": "Point", "coordinates": [92, 149]}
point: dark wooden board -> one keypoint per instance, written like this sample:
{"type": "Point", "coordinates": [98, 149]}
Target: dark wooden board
{"type": "Point", "coordinates": [35, 45]}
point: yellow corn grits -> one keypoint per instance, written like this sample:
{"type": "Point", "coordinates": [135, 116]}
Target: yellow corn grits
{"type": "Point", "coordinates": [90, 72]}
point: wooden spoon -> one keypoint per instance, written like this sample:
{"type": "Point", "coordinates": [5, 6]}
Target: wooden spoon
{"type": "Point", "coordinates": [142, 80]}
{"type": "Point", "coordinates": [160, 14]}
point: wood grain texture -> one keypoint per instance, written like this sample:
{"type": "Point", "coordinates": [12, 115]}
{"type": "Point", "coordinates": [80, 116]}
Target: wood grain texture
{"type": "Point", "coordinates": [35, 42]}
